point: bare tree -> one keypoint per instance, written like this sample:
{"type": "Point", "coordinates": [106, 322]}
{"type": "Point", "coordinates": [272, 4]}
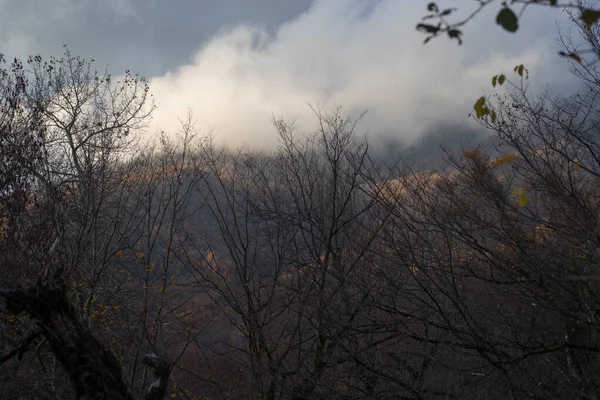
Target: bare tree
{"type": "Point", "coordinates": [161, 305]}
{"type": "Point", "coordinates": [294, 228]}
{"type": "Point", "coordinates": [66, 131]}
{"type": "Point", "coordinates": [498, 290]}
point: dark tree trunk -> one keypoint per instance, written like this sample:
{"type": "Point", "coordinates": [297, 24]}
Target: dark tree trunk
{"type": "Point", "coordinates": [94, 372]}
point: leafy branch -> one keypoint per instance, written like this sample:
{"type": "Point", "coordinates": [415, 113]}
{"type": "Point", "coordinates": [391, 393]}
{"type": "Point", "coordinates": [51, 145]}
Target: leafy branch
{"type": "Point", "coordinates": [508, 16]}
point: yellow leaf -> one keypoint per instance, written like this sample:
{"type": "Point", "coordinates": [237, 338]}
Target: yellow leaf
{"type": "Point", "coordinates": [472, 154]}
{"type": "Point", "coordinates": [574, 56]}
{"type": "Point", "coordinates": [522, 199]}
{"type": "Point", "coordinates": [521, 196]}
{"type": "Point", "coordinates": [503, 160]}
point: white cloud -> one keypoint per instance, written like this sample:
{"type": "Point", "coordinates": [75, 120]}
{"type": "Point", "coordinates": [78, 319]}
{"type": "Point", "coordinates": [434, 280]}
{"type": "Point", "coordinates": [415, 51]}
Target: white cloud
{"type": "Point", "coordinates": [360, 54]}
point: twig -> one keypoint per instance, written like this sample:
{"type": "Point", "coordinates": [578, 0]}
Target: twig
{"type": "Point", "coordinates": [31, 336]}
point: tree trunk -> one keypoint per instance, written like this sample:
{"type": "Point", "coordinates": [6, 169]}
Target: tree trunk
{"type": "Point", "coordinates": [94, 372]}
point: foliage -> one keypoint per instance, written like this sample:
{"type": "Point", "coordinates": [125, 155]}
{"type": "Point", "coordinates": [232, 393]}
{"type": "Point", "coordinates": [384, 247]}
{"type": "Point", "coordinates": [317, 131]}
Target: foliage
{"type": "Point", "coordinates": [508, 18]}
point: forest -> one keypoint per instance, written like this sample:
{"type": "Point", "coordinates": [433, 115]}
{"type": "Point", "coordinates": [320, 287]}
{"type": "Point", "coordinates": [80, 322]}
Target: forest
{"type": "Point", "coordinates": [179, 267]}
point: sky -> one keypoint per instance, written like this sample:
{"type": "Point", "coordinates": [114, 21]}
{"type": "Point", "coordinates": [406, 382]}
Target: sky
{"type": "Point", "coordinates": [238, 63]}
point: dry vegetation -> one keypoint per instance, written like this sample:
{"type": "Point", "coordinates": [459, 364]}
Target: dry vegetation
{"type": "Point", "coordinates": [309, 272]}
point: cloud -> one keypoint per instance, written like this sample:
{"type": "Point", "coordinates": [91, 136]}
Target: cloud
{"type": "Point", "coordinates": [122, 8]}
{"type": "Point", "coordinates": [44, 26]}
{"type": "Point", "coordinates": [361, 54]}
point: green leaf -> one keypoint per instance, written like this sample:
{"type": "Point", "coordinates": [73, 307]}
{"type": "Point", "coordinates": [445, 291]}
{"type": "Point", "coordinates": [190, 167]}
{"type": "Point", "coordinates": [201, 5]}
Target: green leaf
{"type": "Point", "coordinates": [494, 80]}
{"type": "Point", "coordinates": [590, 17]}
{"type": "Point", "coordinates": [447, 11]}
{"type": "Point", "coordinates": [480, 108]}
{"type": "Point", "coordinates": [479, 103]}
{"type": "Point", "coordinates": [501, 79]}
{"type": "Point", "coordinates": [428, 28]}
{"type": "Point", "coordinates": [519, 69]}
{"type": "Point", "coordinates": [508, 19]}
{"type": "Point", "coordinates": [455, 34]}
{"type": "Point", "coordinates": [432, 7]}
